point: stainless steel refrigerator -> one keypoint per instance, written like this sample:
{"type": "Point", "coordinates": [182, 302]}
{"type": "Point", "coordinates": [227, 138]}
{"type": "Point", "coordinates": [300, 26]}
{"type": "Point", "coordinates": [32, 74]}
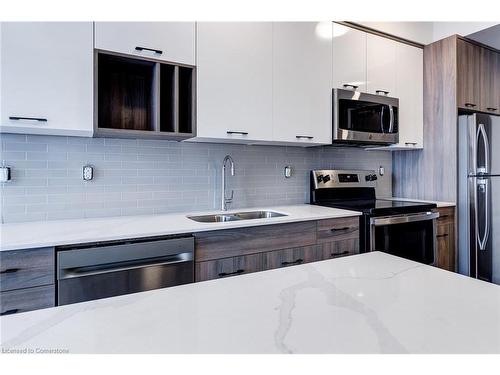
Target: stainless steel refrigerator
{"type": "Point", "coordinates": [479, 196]}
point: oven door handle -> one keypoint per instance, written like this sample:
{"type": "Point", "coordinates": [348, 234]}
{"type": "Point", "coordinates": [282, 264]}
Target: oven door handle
{"type": "Point", "coordinates": [401, 219]}
{"type": "Point", "coordinates": [69, 273]}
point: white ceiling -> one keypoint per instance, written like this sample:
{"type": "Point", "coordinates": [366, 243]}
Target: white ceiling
{"type": "Point", "coordinates": [489, 36]}
{"type": "Point", "coordinates": [428, 32]}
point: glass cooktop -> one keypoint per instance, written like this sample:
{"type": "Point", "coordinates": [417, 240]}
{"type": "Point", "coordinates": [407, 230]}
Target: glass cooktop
{"type": "Point", "coordinates": [380, 206]}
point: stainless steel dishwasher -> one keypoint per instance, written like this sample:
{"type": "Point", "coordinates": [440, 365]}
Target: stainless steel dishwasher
{"type": "Point", "coordinates": [105, 269]}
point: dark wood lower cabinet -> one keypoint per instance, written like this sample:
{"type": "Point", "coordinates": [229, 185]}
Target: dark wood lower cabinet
{"type": "Point", "coordinates": [250, 240]}
{"type": "Point", "coordinates": [26, 268]}
{"type": "Point", "coordinates": [227, 267]}
{"type": "Point", "coordinates": [27, 279]}
{"type": "Point", "coordinates": [445, 238]}
{"type": "Point", "coordinates": [338, 249]}
{"type": "Point", "coordinates": [325, 239]}
{"type": "Point", "coordinates": [290, 257]}
{"type": "Point", "coordinates": [21, 300]}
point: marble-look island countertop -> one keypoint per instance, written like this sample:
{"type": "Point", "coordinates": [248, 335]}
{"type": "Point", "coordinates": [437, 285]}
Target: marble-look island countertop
{"type": "Point", "coordinates": [67, 232]}
{"type": "Point", "coordinates": [368, 303]}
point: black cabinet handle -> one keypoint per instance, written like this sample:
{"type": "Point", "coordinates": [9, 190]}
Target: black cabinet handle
{"type": "Point", "coordinates": [339, 254]}
{"type": "Point", "coordinates": [158, 51]}
{"type": "Point", "coordinates": [442, 235]}
{"type": "Point", "coordinates": [492, 109]}
{"type": "Point", "coordinates": [304, 136]}
{"type": "Point", "coordinates": [333, 230]}
{"type": "Point", "coordinates": [40, 119]}
{"type": "Point", "coordinates": [470, 105]}
{"type": "Point", "coordinates": [237, 272]}
{"type": "Point", "coordinates": [9, 270]}
{"type": "Point", "coordinates": [298, 261]}
{"type": "Point", "coordinates": [11, 311]}
{"type": "Point", "coordinates": [411, 143]}
{"type": "Point", "coordinates": [382, 92]}
{"type": "Point", "coordinates": [346, 85]}
{"type": "Point", "coordinates": [235, 132]}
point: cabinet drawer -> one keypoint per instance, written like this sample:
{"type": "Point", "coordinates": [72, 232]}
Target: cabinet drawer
{"type": "Point", "coordinates": [445, 247]}
{"type": "Point", "coordinates": [446, 215]}
{"type": "Point", "coordinates": [243, 241]}
{"type": "Point", "coordinates": [291, 257]}
{"type": "Point", "coordinates": [227, 267]}
{"type": "Point", "coordinates": [21, 300]}
{"type": "Point", "coordinates": [340, 248]}
{"type": "Point", "coordinates": [26, 268]}
{"type": "Point", "coordinates": [338, 229]}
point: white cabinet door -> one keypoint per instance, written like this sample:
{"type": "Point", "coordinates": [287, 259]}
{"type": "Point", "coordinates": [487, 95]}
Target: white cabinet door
{"type": "Point", "coordinates": [234, 81]}
{"type": "Point", "coordinates": [381, 65]}
{"type": "Point", "coordinates": [409, 90]}
{"type": "Point", "coordinates": [302, 82]}
{"type": "Point", "coordinates": [47, 78]}
{"type": "Point", "coordinates": [167, 41]}
{"type": "Point", "coordinates": [349, 57]}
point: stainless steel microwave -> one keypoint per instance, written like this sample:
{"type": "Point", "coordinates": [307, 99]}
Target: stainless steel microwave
{"type": "Point", "coordinates": [360, 118]}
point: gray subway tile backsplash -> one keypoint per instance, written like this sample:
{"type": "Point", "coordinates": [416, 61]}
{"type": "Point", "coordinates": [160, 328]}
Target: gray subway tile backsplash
{"type": "Point", "coordinates": [134, 177]}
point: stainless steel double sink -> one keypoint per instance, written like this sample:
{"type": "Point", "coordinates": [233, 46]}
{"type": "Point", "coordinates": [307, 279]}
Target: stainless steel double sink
{"type": "Point", "coordinates": [247, 215]}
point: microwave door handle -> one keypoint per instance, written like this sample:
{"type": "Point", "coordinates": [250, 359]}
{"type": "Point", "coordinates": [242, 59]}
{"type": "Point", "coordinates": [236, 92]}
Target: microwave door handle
{"type": "Point", "coordinates": [391, 117]}
{"type": "Point", "coordinates": [382, 119]}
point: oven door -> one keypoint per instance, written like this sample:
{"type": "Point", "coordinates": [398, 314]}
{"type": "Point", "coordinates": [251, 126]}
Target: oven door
{"type": "Point", "coordinates": [411, 236]}
{"type": "Point", "coordinates": [365, 118]}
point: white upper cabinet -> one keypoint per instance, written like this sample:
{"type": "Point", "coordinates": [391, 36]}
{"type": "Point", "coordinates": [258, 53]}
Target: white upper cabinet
{"type": "Point", "coordinates": [166, 41]}
{"type": "Point", "coordinates": [349, 58]}
{"type": "Point", "coordinates": [409, 90]}
{"type": "Point", "coordinates": [47, 78]}
{"type": "Point", "coordinates": [234, 81]}
{"type": "Point", "coordinates": [302, 82]}
{"type": "Point", "coordinates": [381, 65]}
{"type": "Point", "coordinates": [408, 74]}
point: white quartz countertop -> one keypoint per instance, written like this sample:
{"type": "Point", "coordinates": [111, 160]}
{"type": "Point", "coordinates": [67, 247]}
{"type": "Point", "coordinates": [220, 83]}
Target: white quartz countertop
{"type": "Point", "coordinates": [65, 232]}
{"type": "Point", "coordinates": [368, 303]}
{"type": "Point", "coordinates": [440, 204]}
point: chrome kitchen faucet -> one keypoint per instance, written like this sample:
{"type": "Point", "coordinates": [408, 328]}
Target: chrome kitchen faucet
{"type": "Point", "coordinates": [225, 200]}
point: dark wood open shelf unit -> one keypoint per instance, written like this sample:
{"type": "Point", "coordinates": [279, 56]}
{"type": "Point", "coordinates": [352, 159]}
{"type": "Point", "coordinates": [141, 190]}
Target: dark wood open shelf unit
{"type": "Point", "coordinates": [141, 98]}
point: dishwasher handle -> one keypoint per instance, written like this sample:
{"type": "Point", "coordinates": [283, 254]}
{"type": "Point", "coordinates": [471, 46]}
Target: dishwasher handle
{"type": "Point", "coordinates": [68, 273]}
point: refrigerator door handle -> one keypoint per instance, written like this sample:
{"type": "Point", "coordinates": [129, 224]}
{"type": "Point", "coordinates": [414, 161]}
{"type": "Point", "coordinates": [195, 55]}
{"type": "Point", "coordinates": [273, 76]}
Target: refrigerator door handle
{"type": "Point", "coordinates": [484, 240]}
{"type": "Point", "coordinates": [481, 131]}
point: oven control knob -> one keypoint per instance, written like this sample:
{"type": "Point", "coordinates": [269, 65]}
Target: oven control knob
{"type": "Point", "coordinates": [374, 177]}
{"type": "Point", "coordinates": [371, 177]}
{"type": "Point", "coordinates": [326, 178]}
{"type": "Point", "coordinates": [319, 178]}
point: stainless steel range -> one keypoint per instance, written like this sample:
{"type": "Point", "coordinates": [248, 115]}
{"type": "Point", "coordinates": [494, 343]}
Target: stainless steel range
{"type": "Point", "coordinates": [402, 228]}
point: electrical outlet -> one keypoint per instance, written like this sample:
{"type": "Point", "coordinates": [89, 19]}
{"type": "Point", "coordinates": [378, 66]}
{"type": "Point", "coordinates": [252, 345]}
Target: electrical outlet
{"type": "Point", "coordinates": [88, 172]}
{"type": "Point", "coordinates": [5, 174]}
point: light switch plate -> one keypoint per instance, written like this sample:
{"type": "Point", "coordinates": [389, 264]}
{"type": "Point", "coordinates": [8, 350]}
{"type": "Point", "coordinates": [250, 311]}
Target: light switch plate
{"type": "Point", "coordinates": [88, 172]}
